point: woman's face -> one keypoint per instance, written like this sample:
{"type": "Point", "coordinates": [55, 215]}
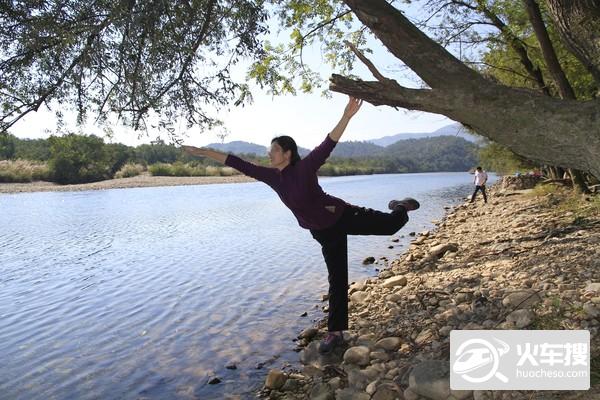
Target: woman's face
{"type": "Point", "coordinates": [279, 158]}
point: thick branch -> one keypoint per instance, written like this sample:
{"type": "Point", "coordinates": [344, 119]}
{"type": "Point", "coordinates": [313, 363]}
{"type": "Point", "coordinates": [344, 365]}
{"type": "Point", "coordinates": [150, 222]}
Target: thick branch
{"type": "Point", "coordinates": [434, 64]}
{"type": "Point", "coordinates": [391, 94]}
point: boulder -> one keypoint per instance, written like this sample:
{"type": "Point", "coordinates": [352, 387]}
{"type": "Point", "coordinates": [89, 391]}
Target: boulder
{"type": "Point", "coordinates": [358, 355]}
{"type": "Point", "coordinates": [441, 249]}
{"type": "Point", "coordinates": [398, 280]}
{"type": "Point", "coordinates": [275, 379]}
{"type": "Point", "coordinates": [389, 343]}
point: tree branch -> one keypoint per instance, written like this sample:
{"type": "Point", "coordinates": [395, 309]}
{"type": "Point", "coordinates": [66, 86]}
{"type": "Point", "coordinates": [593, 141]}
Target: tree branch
{"type": "Point", "coordinates": [434, 64]}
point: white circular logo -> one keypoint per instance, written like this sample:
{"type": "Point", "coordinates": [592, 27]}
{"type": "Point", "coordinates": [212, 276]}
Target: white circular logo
{"type": "Point", "coordinates": [478, 360]}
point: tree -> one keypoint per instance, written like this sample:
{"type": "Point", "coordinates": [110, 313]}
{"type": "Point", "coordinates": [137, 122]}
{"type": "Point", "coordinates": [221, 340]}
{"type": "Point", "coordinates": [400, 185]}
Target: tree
{"type": "Point", "coordinates": [78, 159]}
{"type": "Point", "coordinates": [7, 147]}
{"type": "Point", "coordinates": [552, 131]}
{"type": "Point", "coordinates": [127, 57]}
{"type": "Point", "coordinates": [151, 50]}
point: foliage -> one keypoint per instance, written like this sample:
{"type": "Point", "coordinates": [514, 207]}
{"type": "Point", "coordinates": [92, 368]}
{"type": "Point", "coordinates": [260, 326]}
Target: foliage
{"type": "Point", "coordinates": [188, 169]}
{"type": "Point", "coordinates": [133, 58]}
{"type": "Point", "coordinates": [78, 159]}
{"type": "Point", "coordinates": [118, 155]}
{"type": "Point", "coordinates": [13, 171]}
{"type": "Point", "coordinates": [7, 147]}
{"type": "Point", "coordinates": [154, 153]}
{"type": "Point", "coordinates": [497, 158]}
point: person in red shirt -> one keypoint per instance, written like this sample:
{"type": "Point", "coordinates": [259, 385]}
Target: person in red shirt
{"type": "Point", "coordinates": [328, 218]}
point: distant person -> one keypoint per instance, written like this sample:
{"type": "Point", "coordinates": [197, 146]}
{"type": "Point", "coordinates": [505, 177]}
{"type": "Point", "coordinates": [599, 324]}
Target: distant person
{"type": "Point", "coordinates": [328, 218]}
{"type": "Point", "coordinates": [479, 181]}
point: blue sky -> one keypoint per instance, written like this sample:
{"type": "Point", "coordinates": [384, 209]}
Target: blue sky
{"type": "Point", "coordinates": [306, 117]}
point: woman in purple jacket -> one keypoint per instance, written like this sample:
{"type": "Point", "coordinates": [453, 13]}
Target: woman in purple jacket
{"type": "Point", "coordinates": [328, 218]}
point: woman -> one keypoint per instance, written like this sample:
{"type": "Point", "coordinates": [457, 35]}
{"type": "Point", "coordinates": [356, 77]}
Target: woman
{"type": "Point", "coordinates": [328, 218]}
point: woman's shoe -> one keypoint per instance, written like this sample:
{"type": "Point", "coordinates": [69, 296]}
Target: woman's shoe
{"type": "Point", "coordinates": [331, 341]}
{"type": "Point", "coordinates": [408, 203]}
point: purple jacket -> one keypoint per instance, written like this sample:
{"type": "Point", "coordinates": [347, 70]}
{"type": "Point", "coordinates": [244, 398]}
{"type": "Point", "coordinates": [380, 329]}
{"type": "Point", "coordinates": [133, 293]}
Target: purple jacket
{"type": "Point", "coordinates": [298, 187]}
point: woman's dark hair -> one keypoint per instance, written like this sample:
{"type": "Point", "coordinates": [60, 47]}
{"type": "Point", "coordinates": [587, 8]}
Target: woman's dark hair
{"type": "Point", "coordinates": [287, 143]}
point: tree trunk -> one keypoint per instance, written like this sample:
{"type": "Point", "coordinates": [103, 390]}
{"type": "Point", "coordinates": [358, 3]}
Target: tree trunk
{"type": "Point", "coordinates": [548, 130]}
{"type": "Point", "coordinates": [518, 47]}
{"type": "Point", "coordinates": [578, 22]}
{"type": "Point", "coordinates": [535, 17]}
{"type": "Point", "coordinates": [578, 181]}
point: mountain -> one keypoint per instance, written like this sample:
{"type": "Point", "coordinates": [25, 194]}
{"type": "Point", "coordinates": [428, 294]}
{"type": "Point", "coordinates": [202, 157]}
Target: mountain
{"type": "Point", "coordinates": [441, 153]}
{"type": "Point", "coordinates": [239, 147]}
{"type": "Point", "coordinates": [456, 130]}
{"type": "Point", "coordinates": [357, 150]}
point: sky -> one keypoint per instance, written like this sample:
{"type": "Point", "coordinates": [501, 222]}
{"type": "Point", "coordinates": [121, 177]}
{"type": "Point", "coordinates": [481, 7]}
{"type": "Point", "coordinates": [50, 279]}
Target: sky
{"type": "Point", "coordinates": [305, 117]}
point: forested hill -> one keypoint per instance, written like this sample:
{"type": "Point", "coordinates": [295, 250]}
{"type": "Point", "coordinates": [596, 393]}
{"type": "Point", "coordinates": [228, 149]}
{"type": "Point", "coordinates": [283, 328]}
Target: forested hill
{"type": "Point", "coordinates": [441, 153]}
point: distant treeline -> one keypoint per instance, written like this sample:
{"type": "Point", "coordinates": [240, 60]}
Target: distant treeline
{"type": "Point", "coordinates": [82, 158]}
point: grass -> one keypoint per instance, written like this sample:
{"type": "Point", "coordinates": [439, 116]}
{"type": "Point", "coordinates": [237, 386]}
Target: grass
{"type": "Point", "coordinates": [568, 200]}
{"type": "Point", "coordinates": [129, 170]}
{"type": "Point", "coordinates": [181, 169]}
{"type": "Point", "coordinates": [22, 171]}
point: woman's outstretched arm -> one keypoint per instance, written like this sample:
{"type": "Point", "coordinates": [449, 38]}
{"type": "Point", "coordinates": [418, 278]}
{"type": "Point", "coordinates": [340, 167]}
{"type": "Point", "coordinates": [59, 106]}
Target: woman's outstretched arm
{"type": "Point", "coordinates": [201, 152]}
{"type": "Point", "coordinates": [351, 109]}
{"type": "Point", "coordinates": [263, 174]}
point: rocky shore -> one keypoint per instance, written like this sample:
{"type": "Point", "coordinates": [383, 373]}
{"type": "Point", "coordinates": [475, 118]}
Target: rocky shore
{"type": "Point", "coordinates": [144, 180]}
{"type": "Point", "coordinates": [522, 261]}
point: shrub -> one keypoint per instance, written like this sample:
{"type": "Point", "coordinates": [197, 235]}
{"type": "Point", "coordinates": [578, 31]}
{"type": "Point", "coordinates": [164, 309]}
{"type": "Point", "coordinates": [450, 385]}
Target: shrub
{"type": "Point", "coordinates": [212, 171]}
{"type": "Point", "coordinates": [160, 169]}
{"type": "Point", "coordinates": [23, 171]}
{"type": "Point", "coordinates": [228, 171]}
{"type": "Point", "coordinates": [129, 170]}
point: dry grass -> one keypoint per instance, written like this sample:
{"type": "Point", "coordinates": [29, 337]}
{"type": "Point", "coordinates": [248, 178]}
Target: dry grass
{"type": "Point", "coordinates": [16, 171]}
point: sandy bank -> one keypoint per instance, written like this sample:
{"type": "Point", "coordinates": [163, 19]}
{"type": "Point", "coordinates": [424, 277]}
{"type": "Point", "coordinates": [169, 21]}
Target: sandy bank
{"type": "Point", "coordinates": [124, 183]}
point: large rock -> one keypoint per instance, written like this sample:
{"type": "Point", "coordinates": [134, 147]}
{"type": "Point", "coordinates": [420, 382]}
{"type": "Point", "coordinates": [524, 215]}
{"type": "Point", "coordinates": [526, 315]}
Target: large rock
{"type": "Point", "coordinates": [276, 379]}
{"type": "Point", "coordinates": [592, 288]}
{"type": "Point", "coordinates": [522, 299]}
{"type": "Point", "coordinates": [399, 280]}
{"type": "Point", "coordinates": [424, 336]}
{"type": "Point", "coordinates": [358, 355]}
{"type": "Point", "coordinates": [431, 379]}
{"type": "Point", "coordinates": [357, 378]}
{"type": "Point", "coordinates": [308, 333]}
{"type": "Point", "coordinates": [359, 297]}
{"type": "Point", "coordinates": [590, 310]}
{"type": "Point", "coordinates": [351, 394]}
{"type": "Point", "coordinates": [441, 249]}
{"type": "Point", "coordinates": [387, 391]}
{"type": "Point", "coordinates": [322, 391]}
{"type": "Point", "coordinates": [310, 354]}
{"type": "Point", "coordinates": [521, 318]}
{"type": "Point", "coordinates": [389, 343]}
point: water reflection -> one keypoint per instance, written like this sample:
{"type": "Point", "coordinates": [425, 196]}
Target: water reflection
{"type": "Point", "coordinates": [146, 293]}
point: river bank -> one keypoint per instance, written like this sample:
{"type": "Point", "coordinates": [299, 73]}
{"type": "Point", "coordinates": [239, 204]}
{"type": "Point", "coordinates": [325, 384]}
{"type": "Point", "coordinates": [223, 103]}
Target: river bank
{"type": "Point", "coordinates": [526, 260]}
{"type": "Point", "coordinates": [144, 180]}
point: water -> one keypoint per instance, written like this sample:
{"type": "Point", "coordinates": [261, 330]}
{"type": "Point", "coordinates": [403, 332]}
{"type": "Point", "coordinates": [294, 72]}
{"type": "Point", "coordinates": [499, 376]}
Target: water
{"type": "Point", "coordinates": [146, 293]}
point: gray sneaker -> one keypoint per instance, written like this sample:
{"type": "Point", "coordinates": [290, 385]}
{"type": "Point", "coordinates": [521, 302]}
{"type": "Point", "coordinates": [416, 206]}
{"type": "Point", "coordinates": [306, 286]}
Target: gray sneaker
{"type": "Point", "coordinates": [331, 341]}
{"type": "Point", "coordinates": [408, 203]}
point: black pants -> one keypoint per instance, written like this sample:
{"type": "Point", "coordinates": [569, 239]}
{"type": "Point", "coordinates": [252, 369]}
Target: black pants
{"type": "Point", "coordinates": [354, 221]}
{"type": "Point", "coordinates": [478, 188]}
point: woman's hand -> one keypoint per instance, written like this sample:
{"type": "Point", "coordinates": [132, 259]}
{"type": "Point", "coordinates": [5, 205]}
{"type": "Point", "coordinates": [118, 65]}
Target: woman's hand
{"type": "Point", "coordinates": [352, 107]}
{"type": "Point", "coordinates": [200, 152]}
